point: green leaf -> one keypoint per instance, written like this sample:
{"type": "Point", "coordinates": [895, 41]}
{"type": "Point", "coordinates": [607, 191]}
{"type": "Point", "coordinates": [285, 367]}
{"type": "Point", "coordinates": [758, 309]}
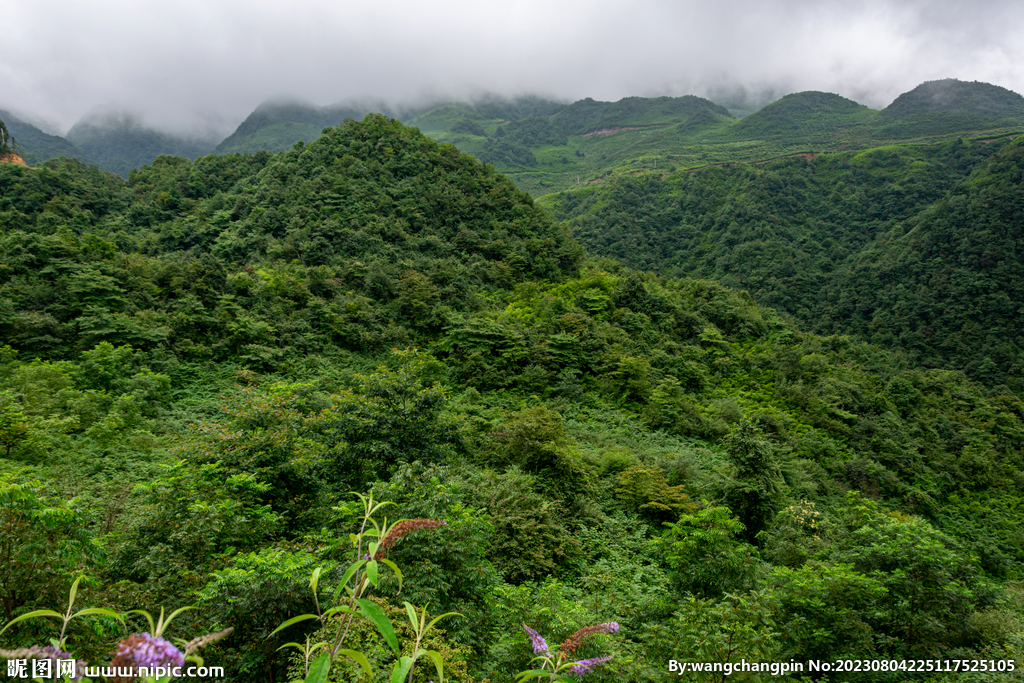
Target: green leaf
{"type": "Point", "coordinates": [319, 669]}
{"type": "Point", "coordinates": [395, 569]}
{"type": "Point", "coordinates": [435, 656]}
{"type": "Point", "coordinates": [74, 591]}
{"type": "Point", "coordinates": [314, 580]}
{"type": "Point", "coordinates": [371, 611]}
{"type": "Point", "coordinates": [359, 659]}
{"type": "Point", "coordinates": [293, 620]}
{"type": "Point", "coordinates": [347, 577]}
{"type": "Point", "coordinates": [335, 610]}
{"type": "Point", "coordinates": [401, 670]}
{"type": "Point", "coordinates": [380, 505]}
{"type": "Point", "coordinates": [371, 572]}
{"type": "Point", "coordinates": [100, 611]}
{"type": "Point", "coordinates": [539, 673]}
{"type": "Point", "coordinates": [437, 619]}
{"type": "Point", "coordinates": [167, 623]}
{"type": "Point", "coordinates": [37, 613]}
{"type": "Point", "coordinates": [413, 619]}
{"type": "Point", "coordinates": [149, 618]}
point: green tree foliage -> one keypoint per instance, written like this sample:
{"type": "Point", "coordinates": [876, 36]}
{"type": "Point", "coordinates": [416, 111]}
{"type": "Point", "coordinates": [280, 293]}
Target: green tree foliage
{"type": "Point", "coordinates": [647, 491]}
{"type": "Point", "coordinates": [13, 429]}
{"type": "Point", "coordinates": [755, 491]}
{"type": "Point", "coordinates": [825, 611]}
{"type": "Point", "coordinates": [469, 127]}
{"type": "Point", "coordinates": [957, 269]}
{"type": "Point", "coordinates": [803, 116]}
{"type": "Point", "coordinates": [931, 583]}
{"type": "Point", "coordinates": [533, 441]}
{"type": "Point", "coordinates": [706, 554]}
{"type": "Point", "coordinates": [555, 413]}
{"type": "Point", "coordinates": [334, 225]}
{"type": "Point", "coordinates": [43, 541]}
{"type": "Point", "coordinates": [896, 245]}
{"type": "Point", "coordinates": [190, 521]}
{"type": "Point", "coordinates": [449, 571]}
{"type": "Point", "coordinates": [256, 593]}
{"type": "Point", "coordinates": [948, 105]}
{"type": "Point", "coordinates": [301, 444]}
{"type": "Point", "coordinates": [530, 537]}
{"type": "Point", "coordinates": [507, 152]}
{"type": "Point", "coordinates": [738, 627]}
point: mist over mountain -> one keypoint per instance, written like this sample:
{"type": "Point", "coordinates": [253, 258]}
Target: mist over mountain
{"type": "Point", "coordinates": [951, 96]}
{"type": "Point", "coordinates": [948, 104]}
{"type": "Point", "coordinates": [548, 145]}
{"type": "Point", "coordinates": [37, 146]}
{"type": "Point", "coordinates": [280, 119]}
{"type": "Point", "coordinates": [119, 141]}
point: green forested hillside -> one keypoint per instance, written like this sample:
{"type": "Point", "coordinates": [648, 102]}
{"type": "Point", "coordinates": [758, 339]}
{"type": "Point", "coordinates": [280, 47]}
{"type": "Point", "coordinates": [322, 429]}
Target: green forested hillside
{"type": "Point", "coordinates": [948, 284]}
{"type": "Point", "coordinates": [821, 239]}
{"type": "Point", "coordinates": [119, 142]}
{"type": "Point", "coordinates": [203, 361]}
{"type": "Point", "coordinates": [35, 145]}
{"type": "Point", "coordinates": [275, 126]}
{"type": "Point", "coordinates": [810, 118]}
{"type": "Point", "coordinates": [942, 106]}
{"type": "Point", "coordinates": [547, 146]}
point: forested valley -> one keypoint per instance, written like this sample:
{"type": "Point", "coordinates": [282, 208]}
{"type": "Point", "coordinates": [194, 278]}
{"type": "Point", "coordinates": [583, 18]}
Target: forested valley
{"type": "Point", "coordinates": [768, 412]}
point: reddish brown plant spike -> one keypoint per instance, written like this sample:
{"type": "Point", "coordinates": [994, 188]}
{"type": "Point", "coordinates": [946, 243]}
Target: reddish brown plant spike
{"type": "Point", "coordinates": [568, 648]}
{"type": "Point", "coordinates": [401, 529]}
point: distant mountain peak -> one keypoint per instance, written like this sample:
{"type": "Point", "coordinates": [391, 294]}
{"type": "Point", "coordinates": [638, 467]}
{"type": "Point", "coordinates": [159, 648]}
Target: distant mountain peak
{"type": "Point", "coordinates": [952, 96]}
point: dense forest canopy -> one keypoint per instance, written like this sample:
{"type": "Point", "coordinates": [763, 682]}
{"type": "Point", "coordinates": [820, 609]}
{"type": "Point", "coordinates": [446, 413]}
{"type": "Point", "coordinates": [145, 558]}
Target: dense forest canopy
{"type": "Point", "coordinates": [203, 361]}
{"type": "Point", "coordinates": [910, 247]}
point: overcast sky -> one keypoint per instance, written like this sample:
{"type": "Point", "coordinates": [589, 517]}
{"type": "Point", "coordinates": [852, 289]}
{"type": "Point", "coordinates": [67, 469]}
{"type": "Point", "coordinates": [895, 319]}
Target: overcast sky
{"type": "Point", "coordinates": [191, 63]}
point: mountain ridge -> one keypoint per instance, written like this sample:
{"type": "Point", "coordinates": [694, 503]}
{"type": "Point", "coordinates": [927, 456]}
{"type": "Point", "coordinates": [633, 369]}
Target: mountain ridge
{"type": "Point", "coordinates": [538, 142]}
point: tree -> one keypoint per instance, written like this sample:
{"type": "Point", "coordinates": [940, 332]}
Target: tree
{"type": "Point", "coordinates": [705, 554]}
{"type": "Point", "coordinates": [931, 581]}
{"type": "Point", "coordinates": [42, 541]}
{"type": "Point", "coordinates": [755, 492]}
{"type": "Point", "coordinates": [13, 429]}
{"type": "Point", "coordinates": [717, 633]}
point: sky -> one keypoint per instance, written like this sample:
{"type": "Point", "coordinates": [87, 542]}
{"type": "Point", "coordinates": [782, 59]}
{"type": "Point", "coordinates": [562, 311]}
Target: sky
{"type": "Point", "coordinates": [204, 65]}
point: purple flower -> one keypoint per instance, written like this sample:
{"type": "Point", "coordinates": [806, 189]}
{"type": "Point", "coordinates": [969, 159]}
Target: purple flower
{"type": "Point", "coordinates": [587, 665]}
{"type": "Point", "coordinates": [539, 646]}
{"type": "Point", "coordinates": [143, 649]}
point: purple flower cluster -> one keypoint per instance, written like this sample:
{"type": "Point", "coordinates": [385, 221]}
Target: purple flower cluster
{"type": "Point", "coordinates": [143, 649]}
{"type": "Point", "coordinates": [587, 665]}
{"type": "Point", "coordinates": [540, 647]}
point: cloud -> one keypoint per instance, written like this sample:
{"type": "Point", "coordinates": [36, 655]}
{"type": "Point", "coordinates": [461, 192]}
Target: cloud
{"type": "Point", "coordinates": [205, 64]}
